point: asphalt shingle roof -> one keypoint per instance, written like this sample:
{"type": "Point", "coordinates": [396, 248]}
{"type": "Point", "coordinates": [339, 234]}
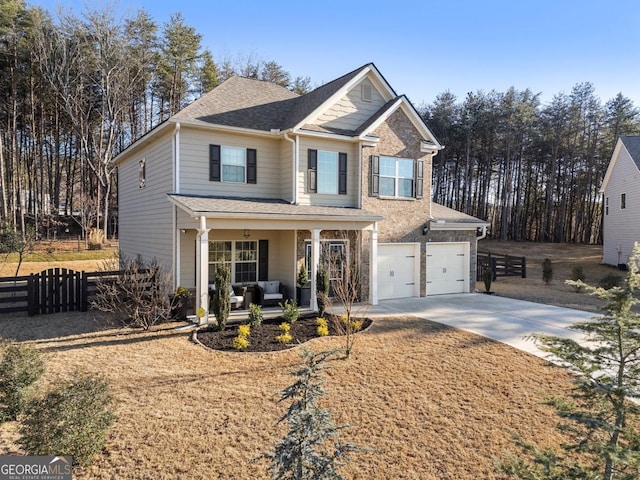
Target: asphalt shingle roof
{"type": "Point", "coordinates": [256, 104]}
{"type": "Point", "coordinates": [260, 207]}
{"type": "Point", "coordinates": [449, 215]}
{"type": "Point", "coordinates": [632, 144]}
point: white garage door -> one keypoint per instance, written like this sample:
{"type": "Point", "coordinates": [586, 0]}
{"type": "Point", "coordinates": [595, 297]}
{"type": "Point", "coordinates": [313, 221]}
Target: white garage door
{"type": "Point", "coordinates": [447, 268]}
{"type": "Point", "coordinates": [398, 270]}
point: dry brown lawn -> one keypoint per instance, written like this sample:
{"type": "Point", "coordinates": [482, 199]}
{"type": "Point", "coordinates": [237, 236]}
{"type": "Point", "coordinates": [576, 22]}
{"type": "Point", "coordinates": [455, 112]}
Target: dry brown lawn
{"type": "Point", "coordinates": [430, 401]}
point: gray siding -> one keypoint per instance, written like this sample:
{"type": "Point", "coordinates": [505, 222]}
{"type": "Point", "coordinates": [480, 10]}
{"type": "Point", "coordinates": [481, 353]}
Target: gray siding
{"type": "Point", "coordinates": [145, 214]}
{"type": "Point", "coordinates": [351, 149]}
{"type": "Point", "coordinates": [622, 226]}
{"type": "Point", "coordinates": [194, 164]}
{"type": "Point", "coordinates": [351, 111]}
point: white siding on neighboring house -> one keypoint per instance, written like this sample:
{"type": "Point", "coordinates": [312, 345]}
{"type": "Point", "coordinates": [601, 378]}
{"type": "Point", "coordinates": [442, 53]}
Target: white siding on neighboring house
{"type": "Point", "coordinates": [351, 111]}
{"type": "Point", "coordinates": [351, 149]}
{"type": "Point", "coordinates": [621, 227]}
{"type": "Point", "coordinates": [194, 164]}
{"type": "Point", "coordinates": [145, 214]}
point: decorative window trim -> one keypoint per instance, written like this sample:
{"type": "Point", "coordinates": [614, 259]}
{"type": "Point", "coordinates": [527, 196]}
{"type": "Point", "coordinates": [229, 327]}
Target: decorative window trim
{"type": "Point", "coordinates": [367, 92]}
{"type": "Point", "coordinates": [142, 172]}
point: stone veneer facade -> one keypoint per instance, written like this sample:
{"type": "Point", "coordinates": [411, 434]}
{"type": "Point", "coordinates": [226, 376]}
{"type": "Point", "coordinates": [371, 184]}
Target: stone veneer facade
{"type": "Point", "coordinates": [404, 219]}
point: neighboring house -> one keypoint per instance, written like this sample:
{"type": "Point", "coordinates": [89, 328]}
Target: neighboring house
{"type": "Point", "coordinates": [258, 178]}
{"type": "Point", "coordinates": [621, 197]}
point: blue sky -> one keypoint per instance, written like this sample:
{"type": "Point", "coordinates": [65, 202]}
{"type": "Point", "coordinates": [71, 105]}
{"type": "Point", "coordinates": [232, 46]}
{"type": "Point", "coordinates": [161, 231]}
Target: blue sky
{"type": "Point", "coordinates": [424, 47]}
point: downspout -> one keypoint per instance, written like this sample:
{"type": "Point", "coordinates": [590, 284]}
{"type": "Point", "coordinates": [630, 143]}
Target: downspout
{"type": "Point", "coordinates": [296, 164]}
{"type": "Point", "coordinates": [484, 233]}
{"type": "Point", "coordinates": [176, 189]}
{"type": "Point", "coordinates": [360, 179]}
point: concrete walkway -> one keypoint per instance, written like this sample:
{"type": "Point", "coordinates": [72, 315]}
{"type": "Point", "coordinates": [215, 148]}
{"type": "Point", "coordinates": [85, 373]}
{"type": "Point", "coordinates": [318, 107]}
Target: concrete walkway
{"type": "Point", "coordinates": [503, 319]}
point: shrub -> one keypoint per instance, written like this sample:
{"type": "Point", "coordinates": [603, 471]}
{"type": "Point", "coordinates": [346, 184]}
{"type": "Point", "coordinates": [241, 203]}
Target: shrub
{"type": "Point", "coordinates": [322, 327]}
{"type": "Point", "coordinates": [21, 367]}
{"type": "Point", "coordinates": [140, 293]}
{"type": "Point", "coordinates": [322, 288]}
{"type": "Point", "coordinates": [240, 342]}
{"type": "Point", "coordinates": [73, 419]}
{"type": "Point", "coordinates": [221, 301]}
{"type": "Point", "coordinates": [244, 331]}
{"type": "Point", "coordinates": [303, 276]}
{"type": "Point", "coordinates": [255, 315]}
{"type": "Point", "coordinates": [487, 277]}
{"type": "Point", "coordinates": [547, 271]}
{"type": "Point", "coordinates": [577, 275]}
{"type": "Point", "coordinates": [609, 281]}
{"type": "Point", "coordinates": [290, 311]}
{"type": "Point", "coordinates": [285, 336]}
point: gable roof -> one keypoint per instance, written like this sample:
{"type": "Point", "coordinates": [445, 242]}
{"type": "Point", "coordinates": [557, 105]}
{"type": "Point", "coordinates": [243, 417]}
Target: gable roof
{"type": "Point", "coordinates": [261, 106]}
{"type": "Point", "coordinates": [242, 102]}
{"type": "Point", "coordinates": [631, 143]}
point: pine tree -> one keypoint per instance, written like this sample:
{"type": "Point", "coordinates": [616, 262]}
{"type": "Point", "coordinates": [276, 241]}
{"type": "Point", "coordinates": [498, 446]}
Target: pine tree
{"type": "Point", "coordinates": [603, 413]}
{"type": "Point", "coordinates": [312, 448]}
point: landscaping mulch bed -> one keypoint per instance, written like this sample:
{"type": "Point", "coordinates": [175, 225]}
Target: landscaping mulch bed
{"type": "Point", "coordinates": [263, 337]}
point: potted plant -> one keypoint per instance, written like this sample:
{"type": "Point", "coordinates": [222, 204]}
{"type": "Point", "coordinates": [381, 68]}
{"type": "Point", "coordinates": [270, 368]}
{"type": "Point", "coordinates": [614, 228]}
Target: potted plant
{"type": "Point", "coordinates": [304, 289]}
{"type": "Point", "coordinates": [180, 303]}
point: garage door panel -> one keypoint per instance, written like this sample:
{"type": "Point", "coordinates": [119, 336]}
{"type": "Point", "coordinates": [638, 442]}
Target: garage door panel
{"type": "Point", "coordinates": [398, 270]}
{"type": "Point", "coordinates": [447, 268]}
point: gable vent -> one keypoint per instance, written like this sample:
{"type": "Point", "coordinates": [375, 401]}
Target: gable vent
{"type": "Point", "coordinates": [366, 92]}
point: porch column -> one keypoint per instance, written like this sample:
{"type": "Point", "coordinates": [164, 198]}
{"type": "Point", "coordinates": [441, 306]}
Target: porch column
{"type": "Point", "coordinates": [373, 266]}
{"type": "Point", "coordinates": [202, 269]}
{"type": "Point", "coordinates": [315, 259]}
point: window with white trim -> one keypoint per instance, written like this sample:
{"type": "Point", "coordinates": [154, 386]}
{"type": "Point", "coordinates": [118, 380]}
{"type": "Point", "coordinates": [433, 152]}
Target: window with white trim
{"type": "Point", "coordinates": [326, 172]}
{"type": "Point", "coordinates": [232, 164]}
{"type": "Point", "coordinates": [239, 257]}
{"type": "Point", "coordinates": [396, 177]}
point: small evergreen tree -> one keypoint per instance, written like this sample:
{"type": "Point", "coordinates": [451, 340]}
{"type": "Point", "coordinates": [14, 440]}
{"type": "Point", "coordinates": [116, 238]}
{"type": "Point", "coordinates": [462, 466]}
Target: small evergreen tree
{"type": "Point", "coordinates": [547, 271]}
{"type": "Point", "coordinates": [577, 273]}
{"type": "Point", "coordinates": [312, 448]}
{"type": "Point", "coordinates": [603, 415]}
{"type": "Point", "coordinates": [322, 288]}
{"type": "Point", "coordinates": [221, 299]}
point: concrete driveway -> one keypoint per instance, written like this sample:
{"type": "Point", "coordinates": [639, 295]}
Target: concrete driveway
{"type": "Point", "coordinates": [503, 319]}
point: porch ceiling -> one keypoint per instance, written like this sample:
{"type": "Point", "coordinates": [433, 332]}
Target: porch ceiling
{"type": "Point", "coordinates": [272, 213]}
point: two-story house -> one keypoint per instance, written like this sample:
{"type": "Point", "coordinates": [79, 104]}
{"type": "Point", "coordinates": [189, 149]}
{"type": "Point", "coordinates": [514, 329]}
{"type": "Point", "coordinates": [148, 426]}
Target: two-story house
{"type": "Point", "coordinates": [262, 180]}
{"type": "Point", "coordinates": [621, 196]}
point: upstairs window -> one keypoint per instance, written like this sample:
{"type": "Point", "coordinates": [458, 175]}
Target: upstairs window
{"type": "Point", "coordinates": [623, 201]}
{"type": "Point", "coordinates": [606, 206]}
{"type": "Point", "coordinates": [395, 177]}
{"type": "Point", "coordinates": [232, 164]}
{"type": "Point", "coordinates": [326, 172]}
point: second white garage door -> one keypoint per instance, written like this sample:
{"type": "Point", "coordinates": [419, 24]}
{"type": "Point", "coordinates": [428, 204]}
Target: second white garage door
{"type": "Point", "coordinates": [398, 270]}
{"type": "Point", "coordinates": [447, 268]}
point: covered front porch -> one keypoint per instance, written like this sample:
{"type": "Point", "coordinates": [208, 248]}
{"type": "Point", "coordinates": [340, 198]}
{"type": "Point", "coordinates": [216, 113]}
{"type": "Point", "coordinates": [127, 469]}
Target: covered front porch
{"type": "Point", "coordinates": [262, 240]}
